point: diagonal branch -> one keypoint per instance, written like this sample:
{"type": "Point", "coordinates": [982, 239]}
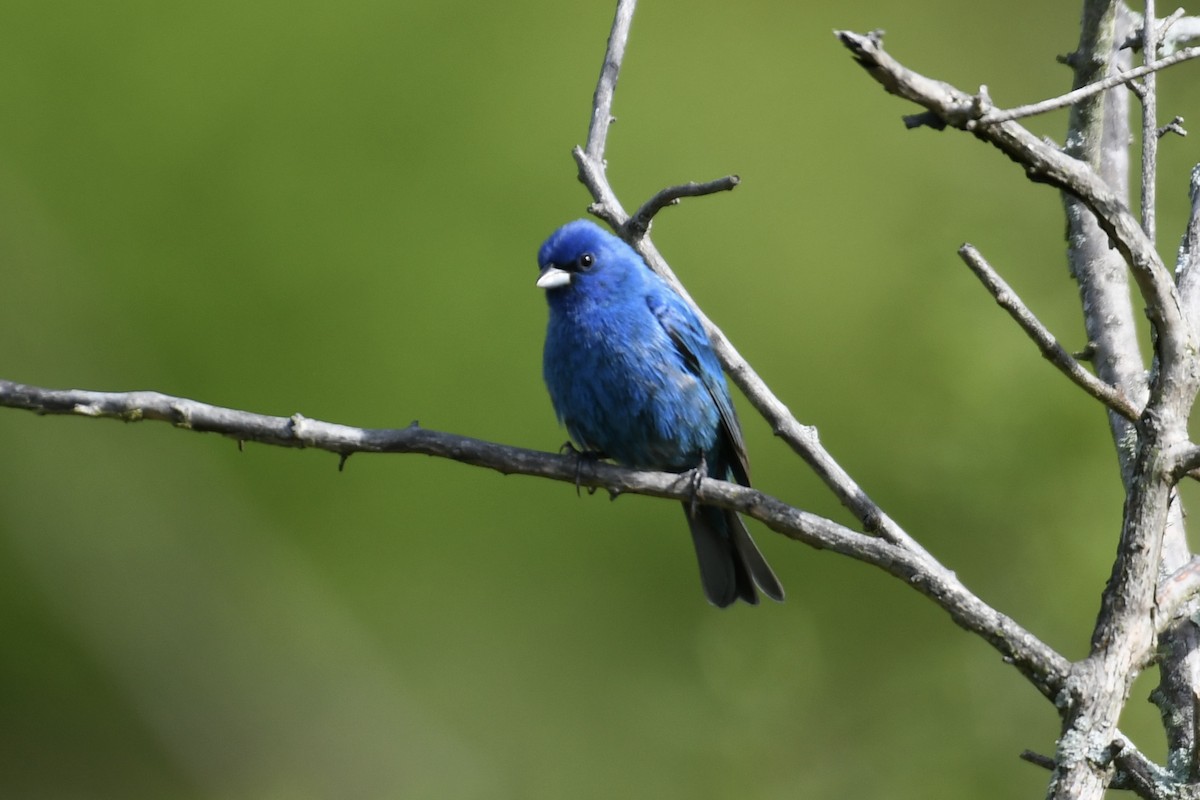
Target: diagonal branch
{"type": "Point", "coordinates": [1054, 352]}
{"type": "Point", "coordinates": [803, 439]}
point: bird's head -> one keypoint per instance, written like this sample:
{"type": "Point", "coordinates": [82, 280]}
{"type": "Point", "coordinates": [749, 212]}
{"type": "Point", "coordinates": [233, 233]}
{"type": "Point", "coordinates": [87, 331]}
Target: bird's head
{"type": "Point", "coordinates": [581, 254]}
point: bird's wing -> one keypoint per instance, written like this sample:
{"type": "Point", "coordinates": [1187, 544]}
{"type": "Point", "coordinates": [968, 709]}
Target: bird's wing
{"type": "Point", "coordinates": [689, 338]}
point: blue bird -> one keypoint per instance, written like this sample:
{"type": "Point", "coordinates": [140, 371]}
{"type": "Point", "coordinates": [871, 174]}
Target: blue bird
{"type": "Point", "coordinates": [633, 377]}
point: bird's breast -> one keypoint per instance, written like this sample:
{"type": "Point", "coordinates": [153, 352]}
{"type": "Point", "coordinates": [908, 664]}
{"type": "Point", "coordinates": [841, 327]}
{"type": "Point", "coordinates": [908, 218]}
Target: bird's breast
{"type": "Point", "coordinates": [623, 389]}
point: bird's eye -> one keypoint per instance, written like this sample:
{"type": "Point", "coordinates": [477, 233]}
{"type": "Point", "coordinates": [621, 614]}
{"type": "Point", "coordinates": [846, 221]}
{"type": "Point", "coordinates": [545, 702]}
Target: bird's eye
{"type": "Point", "coordinates": [586, 261]}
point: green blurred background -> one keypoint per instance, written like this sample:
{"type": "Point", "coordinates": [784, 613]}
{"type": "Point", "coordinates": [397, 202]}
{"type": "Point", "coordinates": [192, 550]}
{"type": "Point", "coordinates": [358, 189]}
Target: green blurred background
{"type": "Point", "coordinates": [333, 209]}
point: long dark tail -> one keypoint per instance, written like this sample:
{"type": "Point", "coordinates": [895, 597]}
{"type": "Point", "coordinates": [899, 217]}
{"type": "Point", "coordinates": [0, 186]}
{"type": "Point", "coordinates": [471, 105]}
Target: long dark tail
{"type": "Point", "coordinates": [730, 563]}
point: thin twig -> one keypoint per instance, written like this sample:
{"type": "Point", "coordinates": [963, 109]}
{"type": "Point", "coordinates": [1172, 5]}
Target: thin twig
{"type": "Point", "coordinates": [1150, 134]}
{"type": "Point", "coordinates": [611, 70]}
{"type": "Point", "coordinates": [1070, 98]}
{"type": "Point", "coordinates": [638, 225]}
{"type": "Point", "coordinates": [1033, 757]}
{"type": "Point", "coordinates": [1041, 336]}
{"type": "Point", "coordinates": [1175, 126]}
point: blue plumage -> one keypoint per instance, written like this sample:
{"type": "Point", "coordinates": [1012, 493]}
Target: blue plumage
{"type": "Point", "coordinates": [632, 376]}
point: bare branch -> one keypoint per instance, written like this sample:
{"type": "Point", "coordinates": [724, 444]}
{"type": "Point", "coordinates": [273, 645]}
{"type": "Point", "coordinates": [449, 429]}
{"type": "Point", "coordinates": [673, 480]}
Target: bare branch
{"type": "Point", "coordinates": [1123, 639]}
{"type": "Point", "coordinates": [1176, 598]}
{"type": "Point", "coordinates": [1134, 773]}
{"type": "Point", "coordinates": [1045, 164]}
{"type": "Point", "coordinates": [1187, 271]}
{"type": "Point", "coordinates": [1039, 759]}
{"type": "Point", "coordinates": [1071, 98]}
{"type": "Point", "coordinates": [1175, 126]}
{"type": "Point", "coordinates": [1174, 31]}
{"type": "Point", "coordinates": [590, 158]}
{"type": "Point", "coordinates": [1098, 136]}
{"type": "Point", "coordinates": [1140, 775]}
{"type": "Point", "coordinates": [637, 226]}
{"type": "Point", "coordinates": [1176, 592]}
{"type": "Point", "coordinates": [1041, 336]}
{"type": "Point", "coordinates": [1186, 460]}
{"type": "Point", "coordinates": [1045, 668]}
{"type": "Point", "coordinates": [1150, 134]}
{"type": "Point", "coordinates": [1167, 23]}
{"type": "Point", "coordinates": [1186, 29]}
{"type": "Point", "coordinates": [611, 70]}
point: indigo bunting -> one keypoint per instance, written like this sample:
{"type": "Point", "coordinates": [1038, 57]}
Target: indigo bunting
{"type": "Point", "coordinates": [633, 377]}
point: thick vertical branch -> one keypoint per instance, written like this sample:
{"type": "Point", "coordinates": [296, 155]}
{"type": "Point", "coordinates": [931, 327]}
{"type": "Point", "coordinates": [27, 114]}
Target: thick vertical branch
{"type": "Point", "coordinates": [1178, 692]}
{"type": "Point", "coordinates": [1179, 644]}
{"type": "Point", "coordinates": [1124, 633]}
{"type": "Point", "coordinates": [1098, 135]}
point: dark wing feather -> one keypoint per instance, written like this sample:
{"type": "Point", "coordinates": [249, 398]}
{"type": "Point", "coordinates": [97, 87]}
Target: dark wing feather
{"type": "Point", "coordinates": [692, 343]}
{"type": "Point", "coordinates": [730, 562]}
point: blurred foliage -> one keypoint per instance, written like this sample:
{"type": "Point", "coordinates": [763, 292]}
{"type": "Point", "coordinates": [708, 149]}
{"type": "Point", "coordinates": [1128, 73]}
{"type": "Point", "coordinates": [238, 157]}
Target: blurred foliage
{"type": "Point", "coordinates": [334, 210]}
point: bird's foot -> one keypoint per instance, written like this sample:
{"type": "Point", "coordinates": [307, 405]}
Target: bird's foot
{"type": "Point", "coordinates": [581, 456]}
{"type": "Point", "coordinates": [695, 477]}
